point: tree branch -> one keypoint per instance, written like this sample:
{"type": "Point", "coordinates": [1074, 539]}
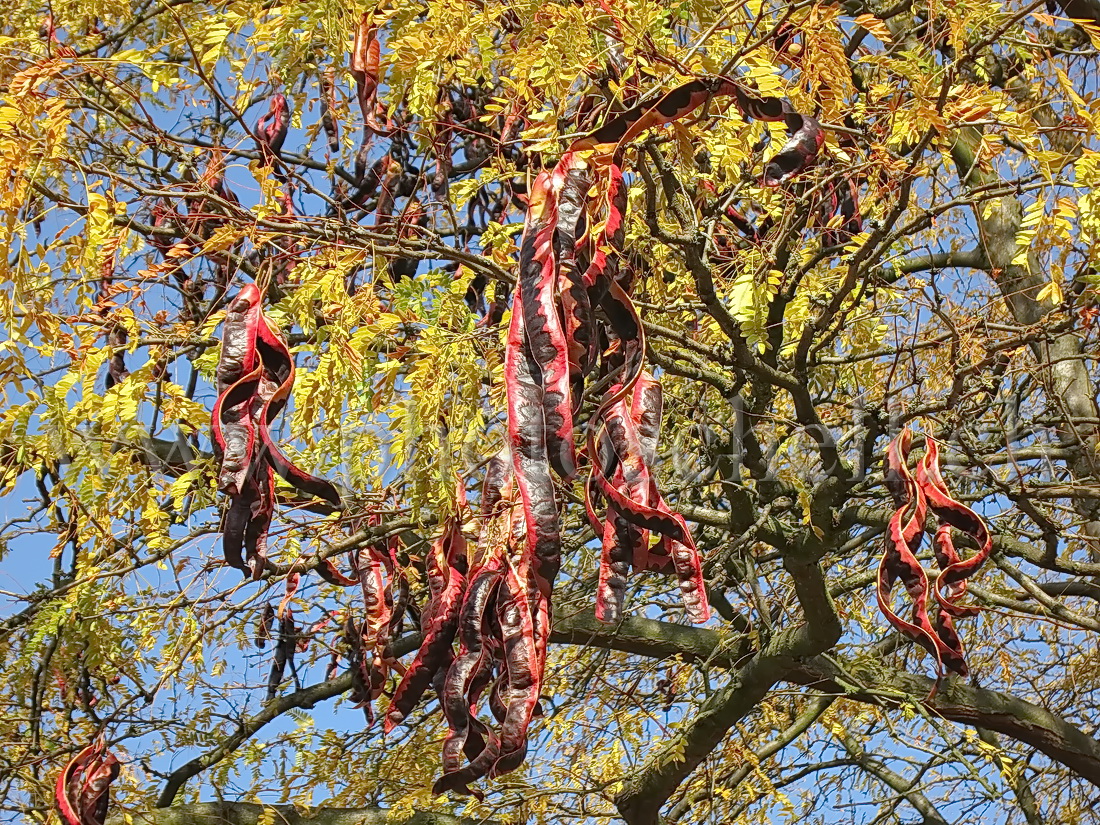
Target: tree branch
{"type": "Point", "coordinates": [649, 788]}
{"type": "Point", "coordinates": [1021, 720]}
{"type": "Point", "coordinates": [247, 728]}
{"type": "Point", "coordinates": [893, 780]}
{"type": "Point", "coordinates": [1059, 739]}
{"type": "Point", "coordinates": [250, 813]}
{"type": "Point", "coordinates": [809, 715]}
{"type": "Point", "coordinates": [251, 725]}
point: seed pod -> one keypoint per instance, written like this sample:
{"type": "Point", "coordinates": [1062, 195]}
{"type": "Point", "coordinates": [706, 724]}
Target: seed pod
{"type": "Point", "coordinates": [271, 129]}
{"type": "Point", "coordinates": [264, 625]}
{"type": "Point", "coordinates": [899, 562]}
{"type": "Point", "coordinates": [82, 790]}
{"type": "Point", "coordinates": [951, 583]}
{"type": "Point", "coordinates": [439, 622]}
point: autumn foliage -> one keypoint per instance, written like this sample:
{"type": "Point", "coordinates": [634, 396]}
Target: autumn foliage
{"type": "Point", "coordinates": [565, 411]}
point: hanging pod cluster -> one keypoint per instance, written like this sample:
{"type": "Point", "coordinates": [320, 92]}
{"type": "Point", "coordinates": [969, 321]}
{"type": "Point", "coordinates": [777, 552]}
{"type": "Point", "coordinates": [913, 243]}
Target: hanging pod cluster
{"type": "Point", "coordinates": [255, 376]}
{"type": "Point", "coordinates": [573, 319]}
{"type": "Point", "coordinates": [914, 496]}
{"type": "Point", "coordinates": [483, 595]}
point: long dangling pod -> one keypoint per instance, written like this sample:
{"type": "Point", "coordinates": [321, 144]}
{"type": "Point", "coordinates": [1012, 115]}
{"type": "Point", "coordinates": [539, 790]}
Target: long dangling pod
{"type": "Point", "coordinates": [279, 374]}
{"type": "Point", "coordinates": [572, 316]}
{"type": "Point", "coordinates": [622, 540]}
{"type": "Point", "coordinates": [904, 535]}
{"type": "Point", "coordinates": [83, 788]}
{"type": "Point", "coordinates": [527, 435]}
{"type": "Point", "coordinates": [573, 180]}
{"type": "Point", "coordinates": [536, 303]}
{"type": "Point", "coordinates": [636, 508]}
{"type": "Point", "coordinates": [467, 677]}
{"type": "Point", "coordinates": [238, 379]}
{"type": "Point", "coordinates": [446, 568]}
{"type": "Point", "coordinates": [377, 569]}
{"type": "Point", "coordinates": [271, 129]}
{"type": "Point", "coordinates": [954, 570]}
{"type": "Point", "coordinates": [518, 603]}
{"type": "Point", "coordinates": [553, 337]}
{"type": "Point", "coordinates": [473, 666]}
{"type": "Point", "coordinates": [255, 376]}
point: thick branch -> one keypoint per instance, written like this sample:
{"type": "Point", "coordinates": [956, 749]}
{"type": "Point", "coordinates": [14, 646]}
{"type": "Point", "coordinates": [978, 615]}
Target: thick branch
{"type": "Point", "coordinates": [649, 788]}
{"type": "Point", "coordinates": [645, 637]}
{"type": "Point", "coordinates": [1023, 721]}
{"type": "Point", "coordinates": [1064, 370]}
{"type": "Point", "coordinates": [957, 702]}
{"type": "Point", "coordinates": [249, 813]}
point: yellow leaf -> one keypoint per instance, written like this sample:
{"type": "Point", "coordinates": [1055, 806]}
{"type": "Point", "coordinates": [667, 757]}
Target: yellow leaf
{"type": "Point", "coordinates": [875, 27]}
{"type": "Point", "coordinates": [1051, 292]}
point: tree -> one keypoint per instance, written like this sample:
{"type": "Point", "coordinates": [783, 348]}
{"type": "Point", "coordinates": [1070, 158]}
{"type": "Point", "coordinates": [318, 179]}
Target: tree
{"type": "Point", "coordinates": [840, 236]}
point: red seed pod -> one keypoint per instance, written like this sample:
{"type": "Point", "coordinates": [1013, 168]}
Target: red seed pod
{"type": "Point", "coordinates": [279, 367]}
{"type": "Point", "coordinates": [366, 53]}
{"type": "Point", "coordinates": [546, 345]}
{"type": "Point", "coordinates": [255, 376]}
{"type": "Point", "coordinates": [473, 660]}
{"type": "Point", "coordinates": [264, 626]}
{"type": "Point", "coordinates": [439, 621]}
{"type": "Point", "coordinates": [271, 129]}
{"type": "Point", "coordinates": [292, 582]}
{"type": "Point", "coordinates": [799, 153]}
{"type": "Point", "coordinates": [82, 790]}
{"type": "Point", "coordinates": [238, 376]}
{"type": "Point", "coordinates": [618, 544]}
{"type": "Point", "coordinates": [524, 666]}
{"type": "Point", "coordinates": [951, 583]}
{"type": "Point", "coordinates": [527, 436]}
{"type": "Point", "coordinates": [899, 562]}
{"type": "Point", "coordinates": [573, 180]}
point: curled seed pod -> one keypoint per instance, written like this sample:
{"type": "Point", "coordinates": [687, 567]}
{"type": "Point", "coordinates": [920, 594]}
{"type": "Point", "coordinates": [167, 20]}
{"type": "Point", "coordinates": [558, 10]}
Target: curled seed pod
{"type": "Point", "coordinates": [899, 563]}
{"type": "Point", "coordinates": [82, 790]}
{"type": "Point", "coordinates": [264, 626]}
{"type": "Point", "coordinates": [951, 583]}
{"type": "Point", "coordinates": [797, 154]}
{"type": "Point", "coordinates": [255, 376]}
{"type": "Point", "coordinates": [271, 129]}
{"type": "Point", "coordinates": [460, 687]}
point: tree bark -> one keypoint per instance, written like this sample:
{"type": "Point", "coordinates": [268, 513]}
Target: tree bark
{"type": "Point", "coordinates": [250, 813]}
